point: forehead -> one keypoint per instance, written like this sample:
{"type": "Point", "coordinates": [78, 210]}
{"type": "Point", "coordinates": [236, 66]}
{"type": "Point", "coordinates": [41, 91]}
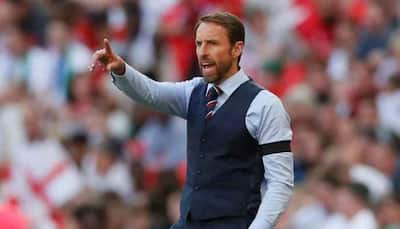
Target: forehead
{"type": "Point", "coordinates": [211, 31]}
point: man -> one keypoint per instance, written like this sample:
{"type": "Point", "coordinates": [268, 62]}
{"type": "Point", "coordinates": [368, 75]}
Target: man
{"type": "Point", "coordinates": [237, 132]}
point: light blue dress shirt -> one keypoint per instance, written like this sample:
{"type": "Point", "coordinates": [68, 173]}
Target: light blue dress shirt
{"type": "Point", "coordinates": [266, 120]}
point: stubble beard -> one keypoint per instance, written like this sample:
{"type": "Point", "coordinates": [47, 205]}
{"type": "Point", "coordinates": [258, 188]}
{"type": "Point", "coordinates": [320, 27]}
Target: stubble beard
{"type": "Point", "coordinates": [222, 69]}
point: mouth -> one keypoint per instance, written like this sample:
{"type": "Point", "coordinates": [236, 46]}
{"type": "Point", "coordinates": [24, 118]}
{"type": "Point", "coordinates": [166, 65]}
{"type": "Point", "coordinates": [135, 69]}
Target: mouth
{"type": "Point", "coordinates": [206, 66]}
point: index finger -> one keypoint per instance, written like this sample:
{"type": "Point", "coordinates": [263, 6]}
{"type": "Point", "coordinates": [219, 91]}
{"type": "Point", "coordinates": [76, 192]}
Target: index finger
{"type": "Point", "coordinates": [107, 47]}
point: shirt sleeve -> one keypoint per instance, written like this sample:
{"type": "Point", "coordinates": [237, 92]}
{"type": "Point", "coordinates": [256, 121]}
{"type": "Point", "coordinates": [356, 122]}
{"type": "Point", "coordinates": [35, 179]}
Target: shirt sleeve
{"type": "Point", "coordinates": [269, 123]}
{"type": "Point", "coordinates": [167, 97]}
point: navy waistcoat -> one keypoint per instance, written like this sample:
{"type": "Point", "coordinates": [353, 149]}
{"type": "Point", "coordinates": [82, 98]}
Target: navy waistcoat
{"type": "Point", "coordinates": [224, 170]}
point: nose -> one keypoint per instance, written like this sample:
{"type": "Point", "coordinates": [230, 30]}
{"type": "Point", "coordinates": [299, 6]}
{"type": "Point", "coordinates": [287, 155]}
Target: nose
{"type": "Point", "coordinates": [202, 51]}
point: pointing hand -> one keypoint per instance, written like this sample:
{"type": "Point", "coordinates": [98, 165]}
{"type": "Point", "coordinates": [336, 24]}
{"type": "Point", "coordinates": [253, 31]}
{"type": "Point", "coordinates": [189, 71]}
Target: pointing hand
{"type": "Point", "coordinates": [106, 57]}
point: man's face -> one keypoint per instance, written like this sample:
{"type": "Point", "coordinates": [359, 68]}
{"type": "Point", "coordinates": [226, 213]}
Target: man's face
{"type": "Point", "coordinates": [216, 56]}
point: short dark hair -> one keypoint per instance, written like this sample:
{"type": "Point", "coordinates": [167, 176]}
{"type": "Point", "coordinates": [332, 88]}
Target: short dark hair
{"type": "Point", "coordinates": [230, 22]}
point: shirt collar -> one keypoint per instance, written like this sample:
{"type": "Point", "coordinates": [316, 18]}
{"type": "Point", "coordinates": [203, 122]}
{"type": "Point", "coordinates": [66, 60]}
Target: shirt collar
{"type": "Point", "coordinates": [229, 85]}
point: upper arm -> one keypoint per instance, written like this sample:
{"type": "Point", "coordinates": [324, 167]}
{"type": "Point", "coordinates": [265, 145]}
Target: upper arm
{"type": "Point", "coordinates": [174, 97]}
{"type": "Point", "coordinates": [267, 119]}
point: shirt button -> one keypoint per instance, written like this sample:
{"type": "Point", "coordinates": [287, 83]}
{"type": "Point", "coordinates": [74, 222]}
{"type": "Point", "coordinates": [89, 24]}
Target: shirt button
{"type": "Point", "coordinates": [202, 156]}
{"type": "Point", "coordinates": [196, 188]}
{"type": "Point", "coordinates": [198, 172]}
{"type": "Point", "coordinates": [203, 139]}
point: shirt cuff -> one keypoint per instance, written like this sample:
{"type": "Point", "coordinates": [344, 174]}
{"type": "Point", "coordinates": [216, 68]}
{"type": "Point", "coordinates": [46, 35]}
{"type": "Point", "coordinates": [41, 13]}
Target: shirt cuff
{"type": "Point", "coordinates": [115, 77]}
{"type": "Point", "coordinates": [119, 80]}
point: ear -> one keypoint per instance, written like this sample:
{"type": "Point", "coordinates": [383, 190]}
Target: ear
{"type": "Point", "coordinates": [237, 48]}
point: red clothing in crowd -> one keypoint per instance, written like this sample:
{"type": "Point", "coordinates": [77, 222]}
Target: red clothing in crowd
{"type": "Point", "coordinates": [358, 10]}
{"type": "Point", "coordinates": [181, 18]}
{"type": "Point", "coordinates": [292, 75]}
{"type": "Point", "coordinates": [313, 30]}
{"type": "Point", "coordinates": [12, 217]}
{"type": "Point", "coordinates": [233, 6]}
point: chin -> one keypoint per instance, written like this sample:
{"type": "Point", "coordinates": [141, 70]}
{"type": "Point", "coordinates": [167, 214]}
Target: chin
{"type": "Point", "coordinates": [209, 78]}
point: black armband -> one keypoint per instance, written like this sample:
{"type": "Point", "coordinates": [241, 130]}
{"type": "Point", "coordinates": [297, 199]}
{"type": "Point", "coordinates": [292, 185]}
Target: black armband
{"type": "Point", "coordinates": [275, 147]}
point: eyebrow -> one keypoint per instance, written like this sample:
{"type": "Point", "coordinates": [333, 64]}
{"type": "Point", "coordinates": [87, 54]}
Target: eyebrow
{"type": "Point", "coordinates": [207, 41]}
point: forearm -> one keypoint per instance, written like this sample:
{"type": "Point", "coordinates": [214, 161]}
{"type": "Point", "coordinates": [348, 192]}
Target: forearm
{"type": "Point", "coordinates": [137, 86]}
{"type": "Point", "coordinates": [165, 97]}
{"type": "Point", "coordinates": [272, 205]}
{"type": "Point", "coordinates": [279, 175]}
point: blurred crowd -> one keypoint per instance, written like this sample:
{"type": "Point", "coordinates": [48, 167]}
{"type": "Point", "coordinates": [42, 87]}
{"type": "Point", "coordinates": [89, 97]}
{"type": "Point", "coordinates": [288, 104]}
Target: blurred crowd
{"type": "Point", "coordinates": [77, 153]}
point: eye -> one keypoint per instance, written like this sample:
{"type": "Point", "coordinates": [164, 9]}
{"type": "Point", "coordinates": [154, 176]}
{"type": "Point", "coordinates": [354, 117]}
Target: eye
{"type": "Point", "coordinates": [198, 43]}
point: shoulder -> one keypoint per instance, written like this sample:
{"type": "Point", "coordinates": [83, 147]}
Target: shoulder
{"type": "Point", "coordinates": [268, 107]}
{"type": "Point", "coordinates": [268, 100]}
